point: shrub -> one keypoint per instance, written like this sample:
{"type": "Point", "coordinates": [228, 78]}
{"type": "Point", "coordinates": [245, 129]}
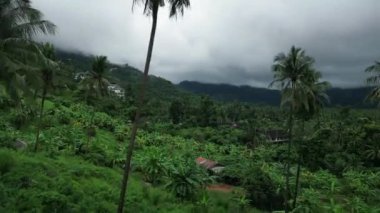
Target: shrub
{"type": "Point", "coordinates": [19, 118]}
{"type": "Point", "coordinates": [3, 194]}
{"type": "Point", "coordinates": [54, 202]}
{"type": "Point", "coordinates": [64, 137]}
{"type": "Point", "coordinates": [63, 117]}
{"type": "Point", "coordinates": [4, 124]}
{"type": "Point", "coordinates": [104, 121]}
{"type": "Point", "coordinates": [121, 133]}
{"type": "Point", "coordinates": [262, 189]}
{"type": "Point", "coordinates": [361, 185]}
{"type": "Point", "coordinates": [98, 158]}
{"type": "Point", "coordinates": [339, 162]}
{"type": "Point", "coordinates": [48, 121]}
{"type": "Point", "coordinates": [6, 140]}
{"type": "Point", "coordinates": [7, 161]}
{"type": "Point", "coordinates": [185, 180]}
{"type": "Point", "coordinates": [320, 180]}
{"type": "Point", "coordinates": [91, 131]}
{"type": "Point", "coordinates": [153, 164]}
{"type": "Point", "coordinates": [309, 201]}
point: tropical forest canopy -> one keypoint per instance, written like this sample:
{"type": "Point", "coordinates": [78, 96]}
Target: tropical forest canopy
{"type": "Point", "coordinates": [81, 134]}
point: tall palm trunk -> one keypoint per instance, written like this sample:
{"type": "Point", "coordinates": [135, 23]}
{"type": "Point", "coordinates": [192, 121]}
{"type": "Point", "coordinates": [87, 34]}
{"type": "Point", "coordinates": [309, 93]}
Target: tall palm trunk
{"type": "Point", "coordinates": [40, 118]}
{"type": "Point", "coordinates": [35, 94]}
{"type": "Point", "coordinates": [319, 120]}
{"type": "Point", "coordinates": [297, 180]}
{"type": "Point", "coordinates": [90, 129]}
{"type": "Point", "coordinates": [298, 168]}
{"type": "Point", "coordinates": [287, 191]}
{"type": "Point", "coordinates": [140, 104]}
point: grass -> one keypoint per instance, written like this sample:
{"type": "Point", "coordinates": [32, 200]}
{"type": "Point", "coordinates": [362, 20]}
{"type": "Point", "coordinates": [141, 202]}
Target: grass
{"type": "Point", "coordinates": [62, 180]}
{"type": "Point", "coordinates": [64, 184]}
{"type": "Point", "coordinates": [44, 183]}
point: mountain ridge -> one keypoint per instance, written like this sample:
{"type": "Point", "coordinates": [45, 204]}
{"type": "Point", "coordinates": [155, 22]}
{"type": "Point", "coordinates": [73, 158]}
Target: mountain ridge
{"type": "Point", "coordinates": [129, 77]}
{"type": "Point", "coordinates": [353, 97]}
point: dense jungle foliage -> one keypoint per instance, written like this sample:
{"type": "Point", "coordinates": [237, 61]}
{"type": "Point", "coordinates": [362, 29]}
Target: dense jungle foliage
{"type": "Point", "coordinates": [82, 149]}
{"type": "Point", "coordinates": [64, 134]}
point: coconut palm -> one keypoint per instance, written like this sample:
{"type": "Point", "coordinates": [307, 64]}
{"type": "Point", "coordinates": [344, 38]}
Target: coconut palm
{"type": "Point", "coordinates": [95, 82]}
{"type": "Point", "coordinates": [291, 74]}
{"type": "Point", "coordinates": [20, 56]}
{"type": "Point", "coordinates": [47, 73]}
{"type": "Point", "coordinates": [374, 80]}
{"type": "Point", "coordinates": [317, 98]}
{"type": "Point", "coordinates": [151, 8]}
{"type": "Point", "coordinates": [95, 85]}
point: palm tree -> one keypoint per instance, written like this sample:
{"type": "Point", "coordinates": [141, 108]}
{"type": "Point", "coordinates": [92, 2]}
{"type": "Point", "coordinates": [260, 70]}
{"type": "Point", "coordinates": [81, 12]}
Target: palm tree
{"type": "Point", "coordinates": [374, 81]}
{"type": "Point", "coordinates": [19, 55]}
{"type": "Point", "coordinates": [95, 82]}
{"type": "Point", "coordinates": [317, 98]}
{"type": "Point", "coordinates": [151, 8]}
{"type": "Point", "coordinates": [47, 73]}
{"type": "Point", "coordinates": [95, 85]}
{"type": "Point", "coordinates": [290, 74]}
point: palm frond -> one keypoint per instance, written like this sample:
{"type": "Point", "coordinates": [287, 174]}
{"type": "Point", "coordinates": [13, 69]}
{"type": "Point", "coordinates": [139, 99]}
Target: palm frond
{"type": "Point", "coordinates": [374, 95]}
{"type": "Point", "coordinates": [374, 68]}
{"type": "Point", "coordinates": [149, 5]}
{"type": "Point", "coordinates": [374, 80]}
{"type": "Point", "coordinates": [299, 81]}
{"type": "Point", "coordinates": [20, 20]}
{"type": "Point", "coordinates": [178, 7]}
{"type": "Point", "coordinates": [30, 29]}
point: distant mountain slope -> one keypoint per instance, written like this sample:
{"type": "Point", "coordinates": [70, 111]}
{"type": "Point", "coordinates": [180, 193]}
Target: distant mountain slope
{"type": "Point", "coordinates": [126, 76]}
{"type": "Point", "coordinates": [162, 89]}
{"type": "Point", "coordinates": [225, 92]}
{"type": "Point", "coordinates": [349, 97]}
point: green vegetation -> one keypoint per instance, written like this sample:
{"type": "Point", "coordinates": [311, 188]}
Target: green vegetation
{"type": "Point", "coordinates": [352, 97]}
{"type": "Point", "coordinates": [302, 93]}
{"type": "Point", "coordinates": [151, 8]}
{"type": "Point", "coordinates": [64, 134]}
{"type": "Point", "coordinates": [374, 81]}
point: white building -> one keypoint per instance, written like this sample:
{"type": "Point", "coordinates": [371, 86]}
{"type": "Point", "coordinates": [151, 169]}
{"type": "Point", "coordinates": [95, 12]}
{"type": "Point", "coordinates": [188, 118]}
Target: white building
{"type": "Point", "coordinates": [80, 76]}
{"type": "Point", "coordinates": [116, 90]}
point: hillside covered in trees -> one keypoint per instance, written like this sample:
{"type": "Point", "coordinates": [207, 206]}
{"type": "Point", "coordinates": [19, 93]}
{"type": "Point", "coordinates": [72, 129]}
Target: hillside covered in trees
{"type": "Point", "coordinates": [127, 76]}
{"type": "Point", "coordinates": [354, 97]}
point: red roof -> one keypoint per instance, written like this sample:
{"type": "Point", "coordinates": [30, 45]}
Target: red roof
{"type": "Point", "coordinates": [208, 164]}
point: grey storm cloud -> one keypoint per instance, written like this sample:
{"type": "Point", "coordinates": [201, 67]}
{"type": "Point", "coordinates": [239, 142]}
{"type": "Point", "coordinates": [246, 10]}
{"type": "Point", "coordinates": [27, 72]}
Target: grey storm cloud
{"type": "Point", "coordinates": [224, 41]}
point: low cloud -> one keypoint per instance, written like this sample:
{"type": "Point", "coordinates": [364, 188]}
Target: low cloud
{"type": "Point", "coordinates": [225, 41]}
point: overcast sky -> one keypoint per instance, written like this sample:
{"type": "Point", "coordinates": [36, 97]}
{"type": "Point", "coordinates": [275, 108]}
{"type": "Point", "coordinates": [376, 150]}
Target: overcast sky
{"type": "Point", "coordinates": [225, 41]}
